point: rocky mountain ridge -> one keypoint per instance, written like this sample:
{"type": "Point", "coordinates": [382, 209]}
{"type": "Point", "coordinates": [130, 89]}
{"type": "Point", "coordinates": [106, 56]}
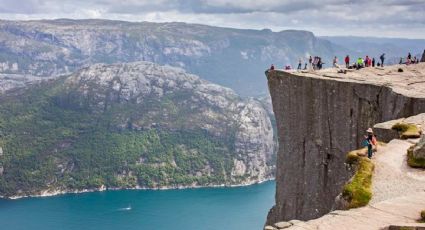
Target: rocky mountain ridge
{"type": "Point", "coordinates": [231, 57]}
{"type": "Point", "coordinates": [128, 126]}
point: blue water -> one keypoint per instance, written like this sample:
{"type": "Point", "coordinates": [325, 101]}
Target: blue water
{"type": "Point", "coordinates": [241, 208]}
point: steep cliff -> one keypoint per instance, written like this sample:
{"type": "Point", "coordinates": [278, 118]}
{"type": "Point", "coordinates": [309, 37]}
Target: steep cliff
{"type": "Point", "coordinates": [321, 116]}
{"type": "Point", "coordinates": [127, 126]}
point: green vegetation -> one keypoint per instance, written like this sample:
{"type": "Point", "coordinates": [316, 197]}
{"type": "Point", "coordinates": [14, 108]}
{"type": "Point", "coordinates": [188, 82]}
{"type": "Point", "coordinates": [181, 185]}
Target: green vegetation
{"type": "Point", "coordinates": [354, 156]}
{"type": "Point", "coordinates": [358, 191]}
{"type": "Point", "coordinates": [407, 130]}
{"type": "Point", "coordinates": [53, 137]}
{"type": "Point", "coordinates": [412, 161]}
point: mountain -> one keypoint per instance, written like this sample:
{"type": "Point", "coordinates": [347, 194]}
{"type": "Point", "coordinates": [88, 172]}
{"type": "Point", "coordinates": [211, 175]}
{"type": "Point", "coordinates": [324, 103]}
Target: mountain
{"type": "Point", "coordinates": [233, 58]}
{"type": "Point", "coordinates": [128, 126]}
{"type": "Point", "coordinates": [394, 48]}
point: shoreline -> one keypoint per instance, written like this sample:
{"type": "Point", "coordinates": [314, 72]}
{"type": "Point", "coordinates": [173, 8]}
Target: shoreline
{"type": "Point", "coordinates": [50, 193]}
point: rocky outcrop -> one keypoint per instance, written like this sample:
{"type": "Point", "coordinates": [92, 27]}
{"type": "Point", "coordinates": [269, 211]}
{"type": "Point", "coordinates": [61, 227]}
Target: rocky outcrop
{"type": "Point", "coordinates": [323, 115]}
{"type": "Point", "coordinates": [419, 149]}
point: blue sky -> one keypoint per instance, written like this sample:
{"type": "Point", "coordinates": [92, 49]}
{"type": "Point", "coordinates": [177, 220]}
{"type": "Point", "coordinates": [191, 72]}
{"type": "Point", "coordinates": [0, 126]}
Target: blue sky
{"type": "Point", "coordinates": [382, 18]}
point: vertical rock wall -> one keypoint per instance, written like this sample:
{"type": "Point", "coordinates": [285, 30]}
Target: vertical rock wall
{"type": "Point", "coordinates": [319, 120]}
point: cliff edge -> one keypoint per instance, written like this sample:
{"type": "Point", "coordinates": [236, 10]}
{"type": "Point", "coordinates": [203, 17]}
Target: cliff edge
{"type": "Point", "coordinates": [321, 116]}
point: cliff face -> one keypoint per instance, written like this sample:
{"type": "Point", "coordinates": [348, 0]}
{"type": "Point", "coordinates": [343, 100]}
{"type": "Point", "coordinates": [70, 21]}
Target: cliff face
{"type": "Point", "coordinates": [320, 117]}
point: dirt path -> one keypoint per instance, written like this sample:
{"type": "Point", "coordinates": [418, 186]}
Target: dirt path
{"type": "Point", "coordinates": [398, 195]}
{"type": "Point", "coordinates": [393, 177]}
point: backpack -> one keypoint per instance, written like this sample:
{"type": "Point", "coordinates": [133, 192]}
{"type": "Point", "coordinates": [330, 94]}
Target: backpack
{"type": "Point", "coordinates": [374, 141]}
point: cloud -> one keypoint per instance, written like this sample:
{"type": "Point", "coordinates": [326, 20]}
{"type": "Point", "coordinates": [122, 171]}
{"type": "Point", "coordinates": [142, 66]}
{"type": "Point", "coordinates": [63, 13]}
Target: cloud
{"type": "Point", "coordinates": [390, 18]}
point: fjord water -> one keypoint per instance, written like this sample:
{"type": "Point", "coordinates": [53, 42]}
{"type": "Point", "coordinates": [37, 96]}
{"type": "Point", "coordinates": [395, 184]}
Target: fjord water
{"type": "Point", "coordinates": [237, 208]}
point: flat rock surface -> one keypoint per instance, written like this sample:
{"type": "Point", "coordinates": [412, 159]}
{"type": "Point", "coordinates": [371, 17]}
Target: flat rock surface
{"type": "Point", "coordinates": [398, 195]}
{"type": "Point", "coordinates": [410, 82]}
{"type": "Point", "coordinates": [392, 176]}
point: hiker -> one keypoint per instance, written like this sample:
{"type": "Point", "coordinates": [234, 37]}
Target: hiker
{"type": "Point", "coordinates": [382, 57]}
{"type": "Point", "coordinates": [347, 61]}
{"type": "Point", "coordinates": [401, 61]}
{"type": "Point", "coordinates": [373, 62]}
{"type": "Point", "coordinates": [315, 60]}
{"type": "Point", "coordinates": [370, 142]}
{"type": "Point", "coordinates": [319, 63]}
{"type": "Point", "coordinates": [360, 63]}
{"type": "Point", "coordinates": [305, 66]}
{"type": "Point", "coordinates": [366, 61]}
{"type": "Point", "coordinates": [299, 64]}
{"type": "Point", "coordinates": [310, 61]}
{"type": "Point", "coordinates": [335, 62]}
{"type": "Point", "coordinates": [272, 67]}
{"type": "Point", "coordinates": [409, 58]}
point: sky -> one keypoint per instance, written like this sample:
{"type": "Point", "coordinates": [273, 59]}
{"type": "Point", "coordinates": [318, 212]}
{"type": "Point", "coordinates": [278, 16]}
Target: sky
{"type": "Point", "coordinates": [379, 18]}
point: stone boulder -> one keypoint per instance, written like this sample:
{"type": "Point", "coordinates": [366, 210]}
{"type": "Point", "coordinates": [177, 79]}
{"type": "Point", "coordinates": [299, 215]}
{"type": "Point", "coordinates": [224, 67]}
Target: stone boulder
{"type": "Point", "coordinates": [419, 149]}
{"type": "Point", "coordinates": [283, 225]}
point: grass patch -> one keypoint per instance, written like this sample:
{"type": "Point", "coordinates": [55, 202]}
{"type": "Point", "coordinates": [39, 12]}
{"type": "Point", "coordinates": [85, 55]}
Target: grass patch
{"type": "Point", "coordinates": [412, 161]}
{"type": "Point", "coordinates": [358, 191]}
{"type": "Point", "coordinates": [354, 156]}
{"type": "Point", "coordinates": [407, 130]}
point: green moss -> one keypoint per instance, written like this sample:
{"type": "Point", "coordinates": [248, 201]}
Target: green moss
{"type": "Point", "coordinates": [358, 191]}
{"type": "Point", "coordinates": [354, 156]}
{"type": "Point", "coordinates": [407, 130]}
{"type": "Point", "coordinates": [423, 216]}
{"type": "Point", "coordinates": [412, 161]}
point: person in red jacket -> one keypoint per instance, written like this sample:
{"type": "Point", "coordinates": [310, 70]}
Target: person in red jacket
{"type": "Point", "coordinates": [347, 61]}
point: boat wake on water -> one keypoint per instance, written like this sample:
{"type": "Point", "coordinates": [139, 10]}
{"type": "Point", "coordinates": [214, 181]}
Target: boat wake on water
{"type": "Point", "coordinates": [128, 208]}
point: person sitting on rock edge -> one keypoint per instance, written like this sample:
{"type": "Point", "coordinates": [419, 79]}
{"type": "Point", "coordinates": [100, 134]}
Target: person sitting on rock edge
{"type": "Point", "coordinates": [335, 62]}
{"type": "Point", "coordinates": [272, 67]}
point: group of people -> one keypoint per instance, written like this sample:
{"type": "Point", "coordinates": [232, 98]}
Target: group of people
{"type": "Point", "coordinates": [316, 63]}
{"type": "Point", "coordinates": [362, 63]}
{"type": "Point", "coordinates": [410, 60]}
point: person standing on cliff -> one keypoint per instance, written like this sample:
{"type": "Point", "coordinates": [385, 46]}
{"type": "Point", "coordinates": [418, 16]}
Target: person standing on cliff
{"type": "Point", "coordinates": [300, 62]}
{"type": "Point", "coordinates": [370, 142]}
{"type": "Point", "coordinates": [382, 57]}
{"type": "Point", "coordinates": [347, 61]}
{"type": "Point", "coordinates": [272, 67]}
{"type": "Point", "coordinates": [310, 61]}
